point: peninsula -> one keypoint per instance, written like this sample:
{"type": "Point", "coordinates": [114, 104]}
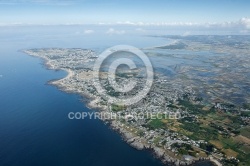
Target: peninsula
{"type": "Point", "coordinates": [191, 127]}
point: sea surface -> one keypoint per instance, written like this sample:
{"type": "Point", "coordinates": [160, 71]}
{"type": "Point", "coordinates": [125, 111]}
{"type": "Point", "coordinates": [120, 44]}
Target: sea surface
{"type": "Point", "coordinates": [34, 125]}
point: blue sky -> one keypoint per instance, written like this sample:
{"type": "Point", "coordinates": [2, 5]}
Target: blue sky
{"type": "Point", "coordinates": [113, 11]}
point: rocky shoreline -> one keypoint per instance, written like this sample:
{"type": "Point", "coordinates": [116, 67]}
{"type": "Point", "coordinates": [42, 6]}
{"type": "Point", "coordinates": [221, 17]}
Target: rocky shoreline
{"type": "Point", "coordinates": [135, 142]}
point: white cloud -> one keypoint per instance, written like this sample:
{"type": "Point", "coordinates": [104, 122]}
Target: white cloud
{"type": "Point", "coordinates": [151, 23]}
{"type": "Point", "coordinates": [113, 31]}
{"type": "Point", "coordinates": [140, 30]}
{"type": "Point", "coordinates": [126, 23]}
{"type": "Point", "coordinates": [89, 31]}
{"type": "Point", "coordinates": [242, 23]}
{"type": "Point", "coordinates": [234, 27]}
{"type": "Point", "coordinates": [245, 22]}
{"type": "Point", "coordinates": [187, 33]}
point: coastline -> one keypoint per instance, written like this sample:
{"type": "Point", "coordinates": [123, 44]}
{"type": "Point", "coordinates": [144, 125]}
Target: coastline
{"type": "Point", "coordinates": [127, 136]}
{"type": "Point", "coordinates": [133, 140]}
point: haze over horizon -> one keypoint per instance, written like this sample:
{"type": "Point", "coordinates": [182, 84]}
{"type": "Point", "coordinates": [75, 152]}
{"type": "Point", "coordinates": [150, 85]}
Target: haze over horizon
{"type": "Point", "coordinates": [229, 16]}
